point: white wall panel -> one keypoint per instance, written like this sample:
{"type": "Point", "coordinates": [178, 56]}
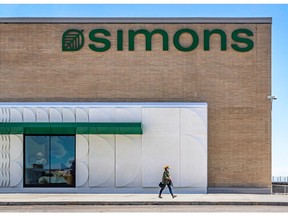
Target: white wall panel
{"type": "Point", "coordinates": [128, 161]}
{"type": "Point", "coordinates": [82, 174]}
{"type": "Point", "coordinates": [202, 113]}
{"type": "Point", "coordinates": [101, 160]}
{"type": "Point", "coordinates": [101, 114]}
{"type": "Point", "coordinates": [193, 162]}
{"type": "Point", "coordinates": [161, 140]}
{"type": "Point", "coordinates": [4, 160]}
{"type": "Point", "coordinates": [161, 121]}
{"type": "Point", "coordinates": [4, 114]}
{"type": "Point", "coordinates": [176, 136]}
{"type": "Point", "coordinates": [82, 149]}
{"type": "Point", "coordinates": [69, 114]}
{"type": "Point", "coordinates": [193, 121]}
{"type": "Point", "coordinates": [16, 115]}
{"type": "Point", "coordinates": [16, 160]}
{"type": "Point", "coordinates": [157, 152]}
{"type": "Point", "coordinates": [82, 115]}
{"type": "Point", "coordinates": [82, 146]}
{"type": "Point", "coordinates": [16, 147]}
{"type": "Point", "coordinates": [29, 114]}
{"type": "Point", "coordinates": [42, 114]}
{"type": "Point", "coordinates": [194, 147]}
{"type": "Point", "coordinates": [55, 115]}
{"type": "Point", "coordinates": [128, 115]}
{"type": "Point", "coordinates": [16, 174]}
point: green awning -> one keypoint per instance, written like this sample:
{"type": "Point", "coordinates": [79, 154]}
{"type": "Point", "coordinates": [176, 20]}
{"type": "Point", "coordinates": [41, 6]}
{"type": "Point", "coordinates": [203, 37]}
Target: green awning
{"type": "Point", "coordinates": [70, 128]}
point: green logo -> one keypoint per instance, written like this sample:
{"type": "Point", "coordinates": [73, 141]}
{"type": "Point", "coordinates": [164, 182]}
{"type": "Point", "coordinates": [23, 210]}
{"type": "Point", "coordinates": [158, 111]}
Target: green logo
{"type": "Point", "coordinates": [72, 40]}
{"type": "Point", "coordinates": [241, 40]}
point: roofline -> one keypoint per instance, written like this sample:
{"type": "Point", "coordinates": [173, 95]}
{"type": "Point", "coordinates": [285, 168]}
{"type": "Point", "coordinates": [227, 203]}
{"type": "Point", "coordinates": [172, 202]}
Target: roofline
{"type": "Point", "coordinates": [103, 104]}
{"type": "Point", "coordinates": [135, 20]}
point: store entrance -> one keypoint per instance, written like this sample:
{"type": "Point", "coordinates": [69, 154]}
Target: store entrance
{"type": "Point", "coordinates": [49, 161]}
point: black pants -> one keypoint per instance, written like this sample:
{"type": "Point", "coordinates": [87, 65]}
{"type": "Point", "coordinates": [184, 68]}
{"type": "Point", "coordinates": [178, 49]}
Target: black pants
{"type": "Point", "coordinates": [169, 187]}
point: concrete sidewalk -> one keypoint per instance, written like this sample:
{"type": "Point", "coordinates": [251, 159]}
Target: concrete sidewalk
{"type": "Point", "coordinates": [142, 199]}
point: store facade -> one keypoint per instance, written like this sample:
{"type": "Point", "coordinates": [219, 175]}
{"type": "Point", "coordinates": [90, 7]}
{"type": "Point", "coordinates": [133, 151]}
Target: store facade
{"type": "Point", "coordinates": [101, 105]}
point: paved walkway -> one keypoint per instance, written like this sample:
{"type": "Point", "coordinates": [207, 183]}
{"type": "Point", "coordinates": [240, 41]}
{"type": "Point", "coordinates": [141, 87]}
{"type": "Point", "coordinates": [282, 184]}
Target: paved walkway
{"type": "Point", "coordinates": [142, 199]}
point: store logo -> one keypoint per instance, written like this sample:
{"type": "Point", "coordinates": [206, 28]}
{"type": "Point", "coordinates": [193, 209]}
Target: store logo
{"type": "Point", "coordinates": [73, 39]}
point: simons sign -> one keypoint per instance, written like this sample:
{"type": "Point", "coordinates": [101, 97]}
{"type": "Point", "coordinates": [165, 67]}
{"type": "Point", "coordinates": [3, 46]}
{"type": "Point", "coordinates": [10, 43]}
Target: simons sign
{"type": "Point", "coordinates": [73, 39]}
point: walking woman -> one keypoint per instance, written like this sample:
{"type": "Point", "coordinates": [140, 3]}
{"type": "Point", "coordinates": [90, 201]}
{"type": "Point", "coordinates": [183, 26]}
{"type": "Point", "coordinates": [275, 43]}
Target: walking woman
{"type": "Point", "coordinates": [166, 180]}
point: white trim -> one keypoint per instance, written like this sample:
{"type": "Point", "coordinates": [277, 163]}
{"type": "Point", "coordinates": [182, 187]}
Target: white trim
{"type": "Point", "coordinates": [104, 104]}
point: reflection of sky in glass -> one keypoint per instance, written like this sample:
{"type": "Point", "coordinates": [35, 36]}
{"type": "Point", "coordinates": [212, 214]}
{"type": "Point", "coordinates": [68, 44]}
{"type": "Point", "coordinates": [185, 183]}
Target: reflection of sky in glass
{"type": "Point", "coordinates": [61, 152]}
{"type": "Point", "coordinates": [36, 146]}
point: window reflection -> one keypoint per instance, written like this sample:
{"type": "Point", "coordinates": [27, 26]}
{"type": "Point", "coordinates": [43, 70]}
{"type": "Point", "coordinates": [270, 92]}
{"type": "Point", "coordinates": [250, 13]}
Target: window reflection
{"type": "Point", "coordinates": [49, 161]}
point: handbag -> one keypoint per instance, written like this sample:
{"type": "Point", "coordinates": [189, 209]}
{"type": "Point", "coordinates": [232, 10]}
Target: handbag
{"type": "Point", "coordinates": [161, 185]}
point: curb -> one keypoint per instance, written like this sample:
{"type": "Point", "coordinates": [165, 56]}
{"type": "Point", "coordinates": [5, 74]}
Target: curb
{"type": "Point", "coordinates": [142, 203]}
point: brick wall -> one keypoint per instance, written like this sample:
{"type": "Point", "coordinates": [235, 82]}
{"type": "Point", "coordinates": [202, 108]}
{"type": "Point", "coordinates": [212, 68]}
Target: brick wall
{"type": "Point", "coordinates": [235, 84]}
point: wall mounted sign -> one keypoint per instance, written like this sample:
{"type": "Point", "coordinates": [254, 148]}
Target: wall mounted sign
{"type": "Point", "coordinates": [74, 40]}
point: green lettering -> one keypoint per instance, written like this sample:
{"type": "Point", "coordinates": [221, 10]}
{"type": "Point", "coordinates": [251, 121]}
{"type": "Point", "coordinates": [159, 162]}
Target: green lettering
{"type": "Point", "coordinates": [148, 36]}
{"type": "Point", "coordinates": [106, 43]}
{"type": "Point", "coordinates": [207, 35]}
{"type": "Point", "coordinates": [177, 36]}
{"type": "Point", "coordinates": [249, 43]}
{"type": "Point", "coordinates": [120, 40]}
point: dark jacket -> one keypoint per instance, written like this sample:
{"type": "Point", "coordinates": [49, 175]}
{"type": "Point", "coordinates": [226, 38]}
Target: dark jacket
{"type": "Point", "coordinates": [166, 178]}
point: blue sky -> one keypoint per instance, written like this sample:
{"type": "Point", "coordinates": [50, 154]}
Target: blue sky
{"type": "Point", "coordinates": [278, 12]}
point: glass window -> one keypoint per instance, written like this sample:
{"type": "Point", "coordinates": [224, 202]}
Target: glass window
{"type": "Point", "coordinates": [49, 161]}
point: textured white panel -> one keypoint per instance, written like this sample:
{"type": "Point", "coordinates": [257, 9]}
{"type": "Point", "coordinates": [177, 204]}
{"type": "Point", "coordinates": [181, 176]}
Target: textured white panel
{"type": "Point", "coordinates": [161, 121]}
{"type": "Point", "coordinates": [82, 115]}
{"type": "Point", "coordinates": [193, 162]}
{"type": "Point", "coordinates": [128, 115]}
{"type": "Point", "coordinates": [4, 160]}
{"type": "Point", "coordinates": [81, 148]}
{"type": "Point", "coordinates": [4, 114]}
{"type": "Point", "coordinates": [101, 114]}
{"type": "Point", "coordinates": [16, 115]}
{"type": "Point", "coordinates": [157, 152]}
{"type": "Point", "coordinates": [4, 143]}
{"type": "Point", "coordinates": [171, 136]}
{"type": "Point", "coordinates": [161, 144]}
{"type": "Point", "coordinates": [29, 114]}
{"type": "Point", "coordinates": [4, 178]}
{"type": "Point", "coordinates": [81, 174]}
{"type": "Point", "coordinates": [16, 148]}
{"type": "Point", "coordinates": [194, 154]}
{"type": "Point", "coordinates": [202, 113]}
{"type": "Point", "coordinates": [16, 173]}
{"type": "Point", "coordinates": [16, 160]}
{"type": "Point", "coordinates": [56, 115]}
{"type": "Point", "coordinates": [42, 114]}
{"type": "Point", "coordinates": [101, 160]}
{"type": "Point", "coordinates": [69, 115]}
{"type": "Point", "coordinates": [128, 161]}
{"type": "Point", "coordinates": [193, 121]}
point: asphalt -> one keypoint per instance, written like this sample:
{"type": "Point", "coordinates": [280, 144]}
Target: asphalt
{"type": "Point", "coordinates": [142, 199]}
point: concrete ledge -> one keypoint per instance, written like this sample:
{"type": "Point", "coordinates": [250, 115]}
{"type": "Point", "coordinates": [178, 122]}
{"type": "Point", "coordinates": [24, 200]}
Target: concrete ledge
{"type": "Point", "coordinates": [135, 203]}
{"type": "Point", "coordinates": [240, 190]}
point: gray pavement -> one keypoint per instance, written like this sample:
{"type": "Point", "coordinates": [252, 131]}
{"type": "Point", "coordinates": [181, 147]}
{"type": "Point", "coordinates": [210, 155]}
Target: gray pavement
{"type": "Point", "coordinates": [144, 208]}
{"type": "Point", "coordinates": [25, 199]}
